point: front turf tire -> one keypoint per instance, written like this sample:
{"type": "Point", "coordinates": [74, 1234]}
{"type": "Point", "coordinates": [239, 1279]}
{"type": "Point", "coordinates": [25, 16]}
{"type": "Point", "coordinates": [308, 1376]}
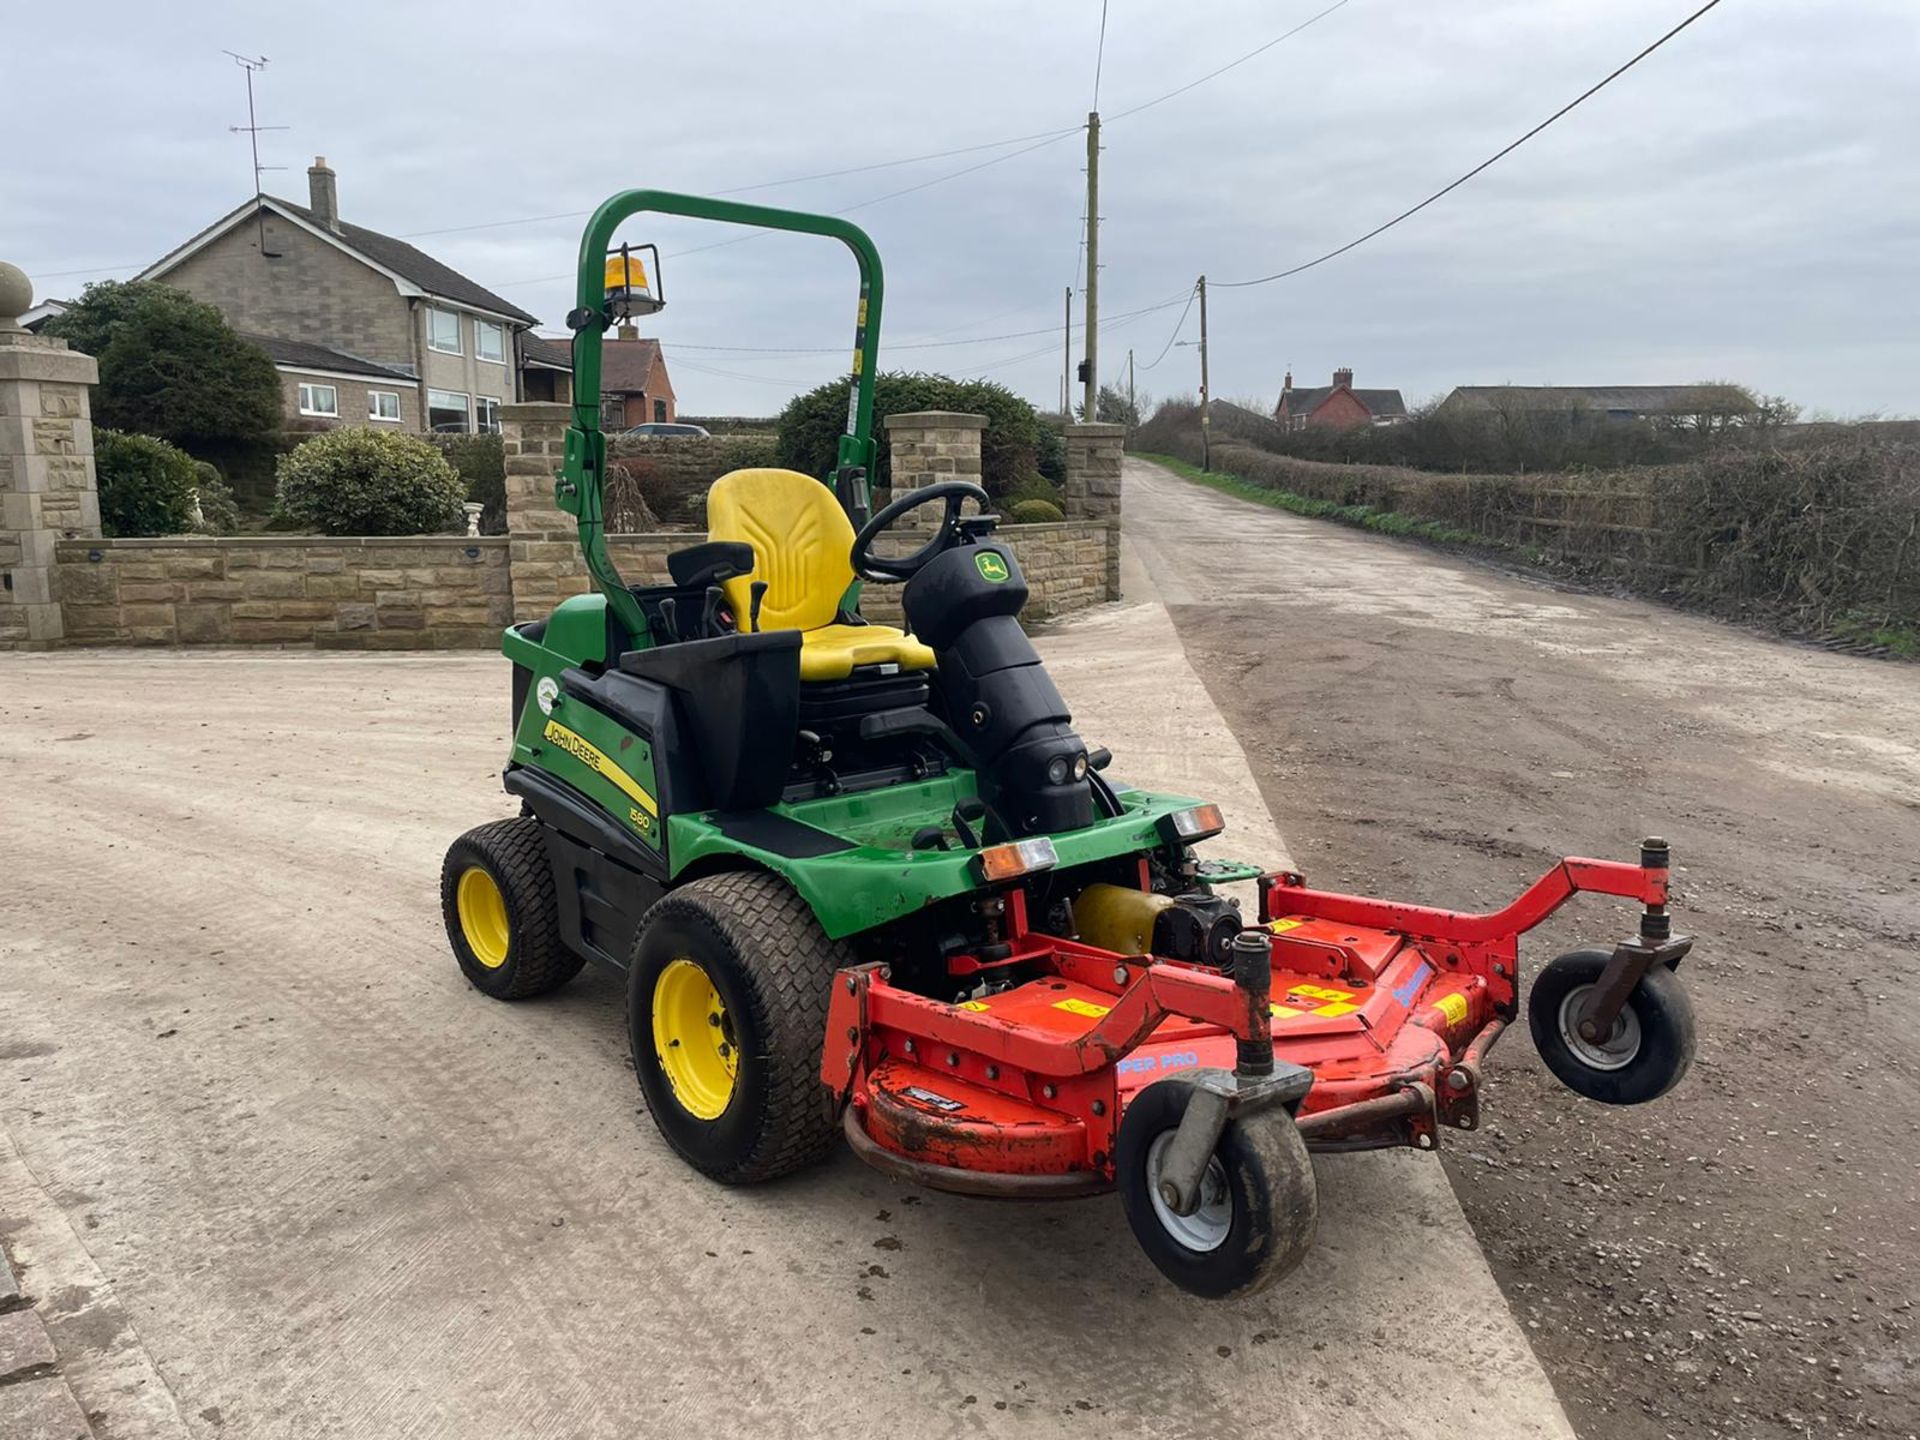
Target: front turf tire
{"type": "Point", "coordinates": [771, 970]}
{"type": "Point", "coordinates": [1260, 1205]}
{"type": "Point", "coordinates": [497, 897]}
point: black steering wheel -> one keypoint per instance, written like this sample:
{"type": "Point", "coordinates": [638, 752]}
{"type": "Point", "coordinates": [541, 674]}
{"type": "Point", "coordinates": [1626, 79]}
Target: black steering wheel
{"type": "Point", "coordinates": [951, 531]}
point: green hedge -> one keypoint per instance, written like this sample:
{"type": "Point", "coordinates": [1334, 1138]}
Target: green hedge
{"type": "Point", "coordinates": [1018, 447]}
{"type": "Point", "coordinates": [146, 486]}
{"type": "Point", "coordinates": [359, 481]}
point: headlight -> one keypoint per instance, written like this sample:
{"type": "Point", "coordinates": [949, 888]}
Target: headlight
{"type": "Point", "coordinates": [1058, 769]}
{"type": "Point", "coordinates": [1022, 857]}
{"type": "Point", "coordinates": [1188, 826]}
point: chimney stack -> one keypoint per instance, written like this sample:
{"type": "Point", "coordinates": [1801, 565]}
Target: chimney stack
{"type": "Point", "coordinates": [627, 331]}
{"type": "Point", "coordinates": [322, 196]}
{"type": "Point", "coordinates": [1343, 379]}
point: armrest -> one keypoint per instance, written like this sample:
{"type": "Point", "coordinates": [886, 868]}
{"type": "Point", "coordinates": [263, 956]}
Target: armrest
{"type": "Point", "coordinates": [699, 566]}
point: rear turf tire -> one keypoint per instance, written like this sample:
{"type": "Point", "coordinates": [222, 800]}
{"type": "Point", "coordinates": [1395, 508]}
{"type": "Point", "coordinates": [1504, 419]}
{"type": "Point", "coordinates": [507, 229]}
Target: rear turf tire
{"type": "Point", "coordinates": [1260, 1202]}
{"type": "Point", "coordinates": [770, 968]}
{"type": "Point", "coordinates": [496, 894]}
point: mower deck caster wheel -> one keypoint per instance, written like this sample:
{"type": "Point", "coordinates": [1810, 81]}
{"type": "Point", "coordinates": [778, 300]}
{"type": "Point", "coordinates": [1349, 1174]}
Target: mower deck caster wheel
{"type": "Point", "coordinates": [1646, 1050]}
{"type": "Point", "coordinates": [1258, 1203]}
{"type": "Point", "coordinates": [496, 894]}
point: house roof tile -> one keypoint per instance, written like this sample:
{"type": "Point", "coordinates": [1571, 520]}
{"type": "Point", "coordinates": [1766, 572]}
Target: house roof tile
{"type": "Point", "coordinates": [416, 265]}
{"type": "Point", "coordinates": [304, 355]}
{"type": "Point", "coordinates": [1642, 399]}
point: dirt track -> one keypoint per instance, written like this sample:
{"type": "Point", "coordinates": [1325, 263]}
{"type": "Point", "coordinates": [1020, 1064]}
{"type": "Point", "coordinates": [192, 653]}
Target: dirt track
{"type": "Point", "coordinates": [1741, 1258]}
{"type": "Point", "coordinates": [275, 1170]}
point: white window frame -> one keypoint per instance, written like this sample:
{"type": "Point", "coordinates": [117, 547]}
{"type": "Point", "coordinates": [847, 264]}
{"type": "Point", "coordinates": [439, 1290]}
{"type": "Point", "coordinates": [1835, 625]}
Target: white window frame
{"type": "Point", "coordinates": [481, 329]}
{"type": "Point", "coordinates": [434, 312]}
{"type": "Point", "coordinates": [490, 426]}
{"type": "Point", "coordinates": [309, 392]}
{"type": "Point", "coordinates": [373, 407]}
{"type": "Point", "coordinates": [466, 404]}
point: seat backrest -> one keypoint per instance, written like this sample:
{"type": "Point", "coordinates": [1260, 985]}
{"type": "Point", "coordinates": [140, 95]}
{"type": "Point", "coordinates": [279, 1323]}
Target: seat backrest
{"type": "Point", "coordinates": [801, 541]}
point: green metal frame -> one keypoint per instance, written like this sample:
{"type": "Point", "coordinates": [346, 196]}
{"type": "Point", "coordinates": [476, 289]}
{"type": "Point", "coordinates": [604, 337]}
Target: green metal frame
{"type": "Point", "coordinates": [580, 488]}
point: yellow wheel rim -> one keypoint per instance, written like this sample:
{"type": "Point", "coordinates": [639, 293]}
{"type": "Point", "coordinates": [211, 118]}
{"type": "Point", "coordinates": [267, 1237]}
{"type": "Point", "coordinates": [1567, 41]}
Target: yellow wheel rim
{"type": "Point", "coordinates": [483, 917]}
{"type": "Point", "coordinates": [694, 1040]}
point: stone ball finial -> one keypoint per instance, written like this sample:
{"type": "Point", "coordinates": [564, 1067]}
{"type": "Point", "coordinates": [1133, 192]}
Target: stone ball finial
{"type": "Point", "coordinates": [16, 295]}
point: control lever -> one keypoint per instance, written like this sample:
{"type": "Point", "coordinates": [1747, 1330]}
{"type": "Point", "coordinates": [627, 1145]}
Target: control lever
{"type": "Point", "coordinates": [964, 814]}
{"type": "Point", "coordinates": [930, 837]}
{"type": "Point", "coordinates": [670, 618]}
{"type": "Point", "coordinates": [753, 606]}
{"type": "Point", "coordinates": [710, 612]}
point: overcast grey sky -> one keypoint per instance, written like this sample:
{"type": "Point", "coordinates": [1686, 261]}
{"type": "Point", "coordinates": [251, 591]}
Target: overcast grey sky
{"type": "Point", "coordinates": [1744, 205]}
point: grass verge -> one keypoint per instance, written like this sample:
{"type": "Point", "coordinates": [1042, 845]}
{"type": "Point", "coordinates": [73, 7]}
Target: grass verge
{"type": "Point", "coordinates": [1364, 517]}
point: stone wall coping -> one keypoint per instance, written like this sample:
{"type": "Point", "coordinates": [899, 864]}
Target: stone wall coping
{"type": "Point", "coordinates": [284, 542]}
{"type": "Point", "coordinates": [546, 410]}
{"type": "Point", "coordinates": [935, 420]}
{"type": "Point", "coordinates": [1096, 430]}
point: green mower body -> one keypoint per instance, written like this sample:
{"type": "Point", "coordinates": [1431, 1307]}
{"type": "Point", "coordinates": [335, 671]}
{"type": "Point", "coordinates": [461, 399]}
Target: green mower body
{"type": "Point", "coordinates": [599, 780]}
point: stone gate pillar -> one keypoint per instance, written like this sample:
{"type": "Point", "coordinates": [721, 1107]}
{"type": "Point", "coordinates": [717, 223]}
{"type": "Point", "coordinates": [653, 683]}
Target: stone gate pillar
{"type": "Point", "coordinates": [46, 468]}
{"type": "Point", "coordinates": [543, 550]}
{"type": "Point", "coordinates": [928, 446]}
{"type": "Point", "coordinates": [1094, 454]}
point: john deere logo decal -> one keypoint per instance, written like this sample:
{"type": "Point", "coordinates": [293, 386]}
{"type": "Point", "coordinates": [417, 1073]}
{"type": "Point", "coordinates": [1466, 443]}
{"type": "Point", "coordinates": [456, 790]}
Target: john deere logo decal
{"type": "Point", "coordinates": [991, 566]}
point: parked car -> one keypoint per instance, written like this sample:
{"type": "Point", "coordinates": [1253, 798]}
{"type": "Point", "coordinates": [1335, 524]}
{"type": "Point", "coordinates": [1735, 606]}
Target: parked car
{"type": "Point", "coordinates": [662, 430]}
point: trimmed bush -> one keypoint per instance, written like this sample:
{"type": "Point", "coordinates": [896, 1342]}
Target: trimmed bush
{"type": "Point", "coordinates": [359, 481]}
{"type": "Point", "coordinates": [1034, 512]}
{"type": "Point", "coordinates": [146, 485]}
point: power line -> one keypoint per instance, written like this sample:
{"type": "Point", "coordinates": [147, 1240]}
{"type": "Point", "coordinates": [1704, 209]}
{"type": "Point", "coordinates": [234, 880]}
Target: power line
{"type": "Point", "coordinates": [1113, 322]}
{"type": "Point", "coordinates": [1230, 65]}
{"type": "Point", "coordinates": [1099, 55]}
{"type": "Point", "coordinates": [769, 184]}
{"type": "Point", "coordinates": [1483, 165]}
{"type": "Point", "coordinates": [1176, 331]}
{"type": "Point", "coordinates": [925, 344]}
{"type": "Point", "coordinates": [1052, 138]}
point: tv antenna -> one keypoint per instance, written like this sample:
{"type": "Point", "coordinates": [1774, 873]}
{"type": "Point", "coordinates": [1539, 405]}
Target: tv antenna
{"type": "Point", "coordinates": [252, 129]}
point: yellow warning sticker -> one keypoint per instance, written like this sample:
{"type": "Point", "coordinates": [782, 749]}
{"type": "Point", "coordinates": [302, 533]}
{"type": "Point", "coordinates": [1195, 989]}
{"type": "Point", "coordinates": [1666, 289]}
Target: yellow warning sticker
{"type": "Point", "coordinates": [1082, 1007]}
{"type": "Point", "coordinates": [1281, 927]}
{"type": "Point", "coordinates": [1454, 1007]}
{"type": "Point", "coordinates": [1336, 1009]}
{"type": "Point", "coordinates": [1320, 992]}
{"type": "Point", "coordinates": [974, 1005]}
{"type": "Point", "coordinates": [1285, 1012]}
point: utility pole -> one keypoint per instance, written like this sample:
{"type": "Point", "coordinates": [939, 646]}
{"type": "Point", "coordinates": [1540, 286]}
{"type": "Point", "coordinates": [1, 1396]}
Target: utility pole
{"type": "Point", "coordinates": [1066, 362]}
{"type": "Point", "coordinates": [1206, 439]}
{"type": "Point", "coordinates": [1093, 264]}
{"type": "Point", "coordinates": [252, 128]}
{"type": "Point", "coordinates": [1133, 406]}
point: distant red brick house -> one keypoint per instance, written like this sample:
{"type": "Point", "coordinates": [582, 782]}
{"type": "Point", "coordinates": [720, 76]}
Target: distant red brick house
{"type": "Point", "coordinates": [634, 386]}
{"type": "Point", "coordinates": [1338, 405]}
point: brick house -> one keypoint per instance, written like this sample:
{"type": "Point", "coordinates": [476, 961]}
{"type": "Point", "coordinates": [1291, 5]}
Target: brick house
{"type": "Point", "coordinates": [363, 328]}
{"type": "Point", "coordinates": [635, 388]}
{"type": "Point", "coordinates": [1338, 405]}
{"type": "Point", "coordinates": [546, 368]}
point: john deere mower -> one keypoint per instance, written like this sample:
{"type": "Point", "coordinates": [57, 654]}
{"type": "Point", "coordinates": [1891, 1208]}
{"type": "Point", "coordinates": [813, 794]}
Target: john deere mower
{"type": "Point", "coordinates": [869, 882]}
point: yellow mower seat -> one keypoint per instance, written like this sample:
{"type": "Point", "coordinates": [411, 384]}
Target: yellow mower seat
{"type": "Point", "coordinates": [801, 541]}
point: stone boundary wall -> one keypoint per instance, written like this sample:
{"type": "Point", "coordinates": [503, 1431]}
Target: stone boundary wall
{"type": "Point", "coordinates": [428, 592]}
{"type": "Point", "coordinates": [448, 592]}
